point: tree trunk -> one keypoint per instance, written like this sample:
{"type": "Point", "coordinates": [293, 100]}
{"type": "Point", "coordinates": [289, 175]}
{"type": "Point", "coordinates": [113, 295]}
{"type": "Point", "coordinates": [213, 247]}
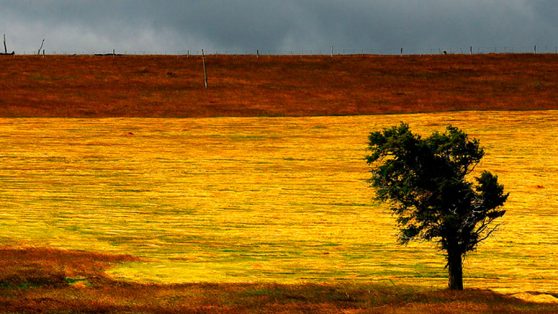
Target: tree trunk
{"type": "Point", "coordinates": [455, 269]}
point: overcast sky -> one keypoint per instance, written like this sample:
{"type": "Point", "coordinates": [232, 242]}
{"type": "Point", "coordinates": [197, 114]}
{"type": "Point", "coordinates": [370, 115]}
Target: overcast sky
{"type": "Point", "coordinates": [174, 26]}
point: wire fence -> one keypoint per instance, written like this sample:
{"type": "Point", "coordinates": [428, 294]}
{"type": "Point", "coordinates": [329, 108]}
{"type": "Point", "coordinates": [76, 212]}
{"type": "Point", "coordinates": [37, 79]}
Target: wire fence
{"type": "Point", "coordinates": [544, 49]}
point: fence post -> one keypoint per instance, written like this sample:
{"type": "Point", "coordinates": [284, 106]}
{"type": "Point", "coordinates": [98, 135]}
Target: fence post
{"type": "Point", "coordinates": [204, 71]}
{"type": "Point", "coordinates": [535, 49]}
{"type": "Point", "coordinates": [5, 47]}
{"type": "Point", "coordinates": [40, 48]}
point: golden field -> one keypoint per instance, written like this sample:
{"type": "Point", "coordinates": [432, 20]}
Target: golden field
{"type": "Point", "coordinates": [282, 200]}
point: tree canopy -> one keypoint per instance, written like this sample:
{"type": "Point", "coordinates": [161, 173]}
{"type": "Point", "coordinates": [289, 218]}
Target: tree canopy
{"type": "Point", "coordinates": [428, 186]}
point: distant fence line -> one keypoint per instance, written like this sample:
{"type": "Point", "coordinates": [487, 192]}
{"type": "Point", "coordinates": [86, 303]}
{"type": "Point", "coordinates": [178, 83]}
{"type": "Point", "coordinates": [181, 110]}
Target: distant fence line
{"type": "Point", "coordinates": [544, 49]}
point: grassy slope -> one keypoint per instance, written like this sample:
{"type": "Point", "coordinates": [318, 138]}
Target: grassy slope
{"type": "Point", "coordinates": [34, 279]}
{"type": "Point", "coordinates": [171, 86]}
{"type": "Point", "coordinates": [277, 199]}
{"type": "Point", "coordinates": [66, 86]}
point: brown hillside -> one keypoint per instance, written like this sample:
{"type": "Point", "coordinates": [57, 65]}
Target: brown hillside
{"type": "Point", "coordinates": [41, 280]}
{"type": "Point", "coordinates": [172, 86]}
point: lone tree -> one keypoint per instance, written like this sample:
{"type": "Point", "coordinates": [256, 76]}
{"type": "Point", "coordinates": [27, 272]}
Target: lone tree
{"type": "Point", "coordinates": [426, 183]}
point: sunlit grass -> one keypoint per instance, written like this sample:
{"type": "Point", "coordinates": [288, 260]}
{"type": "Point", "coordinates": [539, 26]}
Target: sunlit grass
{"type": "Point", "coordinates": [265, 199]}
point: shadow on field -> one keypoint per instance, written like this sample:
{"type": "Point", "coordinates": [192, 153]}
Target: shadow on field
{"type": "Point", "coordinates": [40, 279]}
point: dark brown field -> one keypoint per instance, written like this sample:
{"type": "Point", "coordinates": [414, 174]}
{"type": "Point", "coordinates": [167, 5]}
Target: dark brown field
{"type": "Point", "coordinates": [172, 86]}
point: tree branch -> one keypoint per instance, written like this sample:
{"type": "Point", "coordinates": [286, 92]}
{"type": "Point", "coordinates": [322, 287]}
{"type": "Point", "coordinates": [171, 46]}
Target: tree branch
{"type": "Point", "coordinates": [487, 234]}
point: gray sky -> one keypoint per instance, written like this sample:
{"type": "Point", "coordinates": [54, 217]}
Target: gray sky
{"type": "Point", "coordinates": [174, 26]}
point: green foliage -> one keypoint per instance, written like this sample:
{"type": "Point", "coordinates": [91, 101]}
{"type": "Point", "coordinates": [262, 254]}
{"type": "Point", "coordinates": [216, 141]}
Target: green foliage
{"type": "Point", "coordinates": [426, 182]}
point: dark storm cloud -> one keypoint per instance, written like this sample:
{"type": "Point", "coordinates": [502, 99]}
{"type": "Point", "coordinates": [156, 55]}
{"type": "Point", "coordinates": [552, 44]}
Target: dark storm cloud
{"type": "Point", "coordinates": [278, 26]}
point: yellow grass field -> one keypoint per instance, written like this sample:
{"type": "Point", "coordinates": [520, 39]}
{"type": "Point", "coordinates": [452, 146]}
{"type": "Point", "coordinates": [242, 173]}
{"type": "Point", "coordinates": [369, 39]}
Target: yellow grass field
{"type": "Point", "coordinates": [265, 199]}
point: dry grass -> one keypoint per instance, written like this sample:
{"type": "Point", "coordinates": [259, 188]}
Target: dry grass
{"type": "Point", "coordinates": [281, 203]}
{"type": "Point", "coordinates": [47, 280]}
{"type": "Point", "coordinates": [284, 200]}
{"type": "Point", "coordinates": [172, 86]}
